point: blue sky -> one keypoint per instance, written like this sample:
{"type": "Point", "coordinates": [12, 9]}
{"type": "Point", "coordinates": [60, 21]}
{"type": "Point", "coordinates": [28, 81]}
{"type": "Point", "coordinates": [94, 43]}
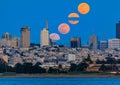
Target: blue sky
{"type": "Point", "coordinates": [101, 19]}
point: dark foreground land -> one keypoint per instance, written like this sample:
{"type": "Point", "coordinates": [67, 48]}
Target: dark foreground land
{"type": "Point", "coordinates": [80, 75]}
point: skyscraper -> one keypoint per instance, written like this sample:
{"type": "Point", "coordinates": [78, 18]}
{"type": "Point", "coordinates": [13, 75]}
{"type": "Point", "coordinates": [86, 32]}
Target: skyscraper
{"type": "Point", "coordinates": [118, 30]}
{"type": "Point", "coordinates": [75, 42]}
{"type": "Point", "coordinates": [6, 36]}
{"type": "Point", "coordinates": [8, 41]}
{"type": "Point", "coordinates": [44, 36]}
{"type": "Point", "coordinates": [93, 43]}
{"type": "Point", "coordinates": [25, 36]}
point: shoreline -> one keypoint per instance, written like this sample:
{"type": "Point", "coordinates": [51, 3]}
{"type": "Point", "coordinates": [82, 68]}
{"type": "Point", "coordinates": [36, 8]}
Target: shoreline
{"type": "Point", "coordinates": [92, 75]}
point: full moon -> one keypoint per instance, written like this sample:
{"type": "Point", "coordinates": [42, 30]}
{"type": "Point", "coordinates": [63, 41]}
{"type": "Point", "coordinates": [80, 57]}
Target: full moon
{"type": "Point", "coordinates": [64, 28]}
{"type": "Point", "coordinates": [54, 36]}
{"type": "Point", "coordinates": [83, 8]}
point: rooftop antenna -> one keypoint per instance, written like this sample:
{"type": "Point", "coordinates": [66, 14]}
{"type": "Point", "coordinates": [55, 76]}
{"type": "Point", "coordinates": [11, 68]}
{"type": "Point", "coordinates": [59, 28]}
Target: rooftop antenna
{"type": "Point", "coordinates": [47, 24]}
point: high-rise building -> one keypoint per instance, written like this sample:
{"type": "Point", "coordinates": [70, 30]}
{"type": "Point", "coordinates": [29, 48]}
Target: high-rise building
{"type": "Point", "coordinates": [118, 30]}
{"type": "Point", "coordinates": [93, 43]}
{"type": "Point", "coordinates": [7, 36]}
{"type": "Point", "coordinates": [25, 36]}
{"type": "Point", "coordinates": [114, 43]}
{"type": "Point", "coordinates": [103, 45]}
{"type": "Point", "coordinates": [16, 42]}
{"type": "Point", "coordinates": [75, 42]}
{"type": "Point", "coordinates": [44, 36]}
{"type": "Point", "coordinates": [8, 41]}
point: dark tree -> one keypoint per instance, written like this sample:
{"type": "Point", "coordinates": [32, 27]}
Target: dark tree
{"type": "Point", "coordinates": [103, 68]}
{"type": "Point", "coordinates": [3, 66]}
{"type": "Point", "coordinates": [73, 67]}
{"type": "Point", "coordinates": [82, 67]}
{"type": "Point", "coordinates": [88, 59]}
{"type": "Point", "coordinates": [60, 66]}
{"type": "Point", "coordinates": [52, 70]}
{"type": "Point", "coordinates": [110, 60]}
{"type": "Point", "coordinates": [38, 69]}
{"type": "Point", "coordinates": [19, 68]}
{"type": "Point", "coordinates": [28, 67]}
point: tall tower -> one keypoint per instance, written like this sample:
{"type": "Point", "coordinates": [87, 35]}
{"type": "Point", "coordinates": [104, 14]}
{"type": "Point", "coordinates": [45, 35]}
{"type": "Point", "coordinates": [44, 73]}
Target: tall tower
{"type": "Point", "coordinates": [93, 44]}
{"type": "Point", "coordinates": [118, 30]}
{"type": "Point", "coordinates": [75, 42]}
{"type": "Point", "coordinates": [25, 36]}
{"type": "Point", "coordinates": [44, 36]}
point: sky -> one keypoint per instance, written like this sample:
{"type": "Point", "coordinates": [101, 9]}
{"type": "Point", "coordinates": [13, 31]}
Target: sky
{"type": "Point", "coordinates": [101, 20]}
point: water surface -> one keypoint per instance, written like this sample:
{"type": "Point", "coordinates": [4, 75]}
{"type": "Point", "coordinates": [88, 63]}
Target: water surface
{"type": "Point", "coordinates": [59, 81]}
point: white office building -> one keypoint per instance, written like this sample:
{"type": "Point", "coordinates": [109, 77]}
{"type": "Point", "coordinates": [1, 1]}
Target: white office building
{"type": "Point", "coordinates": [113, 43]}
{"type": "Point", "coordinates": [44, 36]}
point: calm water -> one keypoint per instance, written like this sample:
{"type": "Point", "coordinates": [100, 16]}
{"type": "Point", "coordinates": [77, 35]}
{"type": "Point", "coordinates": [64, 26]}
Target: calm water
{"type": "Point", "coordinates": [59, 81]}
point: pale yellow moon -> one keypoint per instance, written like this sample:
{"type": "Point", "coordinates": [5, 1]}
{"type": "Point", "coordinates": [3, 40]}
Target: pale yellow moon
{"type": "Point", "coordinates": [83, 8]}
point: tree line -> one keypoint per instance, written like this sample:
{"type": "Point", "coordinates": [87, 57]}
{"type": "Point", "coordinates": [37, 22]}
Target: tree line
{"type": "Point", "coordinates": [29, 68]}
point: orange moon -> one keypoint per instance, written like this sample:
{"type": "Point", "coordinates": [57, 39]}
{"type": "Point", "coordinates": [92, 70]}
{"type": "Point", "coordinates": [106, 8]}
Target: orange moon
{"type": "Point", "coordinates": [73, 15]}
{"type": "Point", "coordinates": [64, 28]}
{"type": "Point", "coordinates": [83, 8]}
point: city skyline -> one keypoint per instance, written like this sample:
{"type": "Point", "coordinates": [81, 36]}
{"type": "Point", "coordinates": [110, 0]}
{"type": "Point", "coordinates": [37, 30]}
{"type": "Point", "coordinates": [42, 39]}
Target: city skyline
{"type": "Point", "coordinates": [35, 16]}
{"type": "Point", "coordinates": [59, 39]}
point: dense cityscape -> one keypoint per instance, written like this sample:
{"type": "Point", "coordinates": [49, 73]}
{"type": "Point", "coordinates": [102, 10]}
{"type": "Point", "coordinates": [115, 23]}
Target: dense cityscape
{"type": "Point", "coordinates": [19, 55]}
{"type": "Point", "coordinates": [60, 42]}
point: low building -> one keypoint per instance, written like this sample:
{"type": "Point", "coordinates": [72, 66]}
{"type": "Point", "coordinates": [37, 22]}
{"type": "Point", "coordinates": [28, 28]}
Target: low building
{"type": "Point", "coordinates": [103, 45]}
{"type": "Point", "coordinates": [71, 57]}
